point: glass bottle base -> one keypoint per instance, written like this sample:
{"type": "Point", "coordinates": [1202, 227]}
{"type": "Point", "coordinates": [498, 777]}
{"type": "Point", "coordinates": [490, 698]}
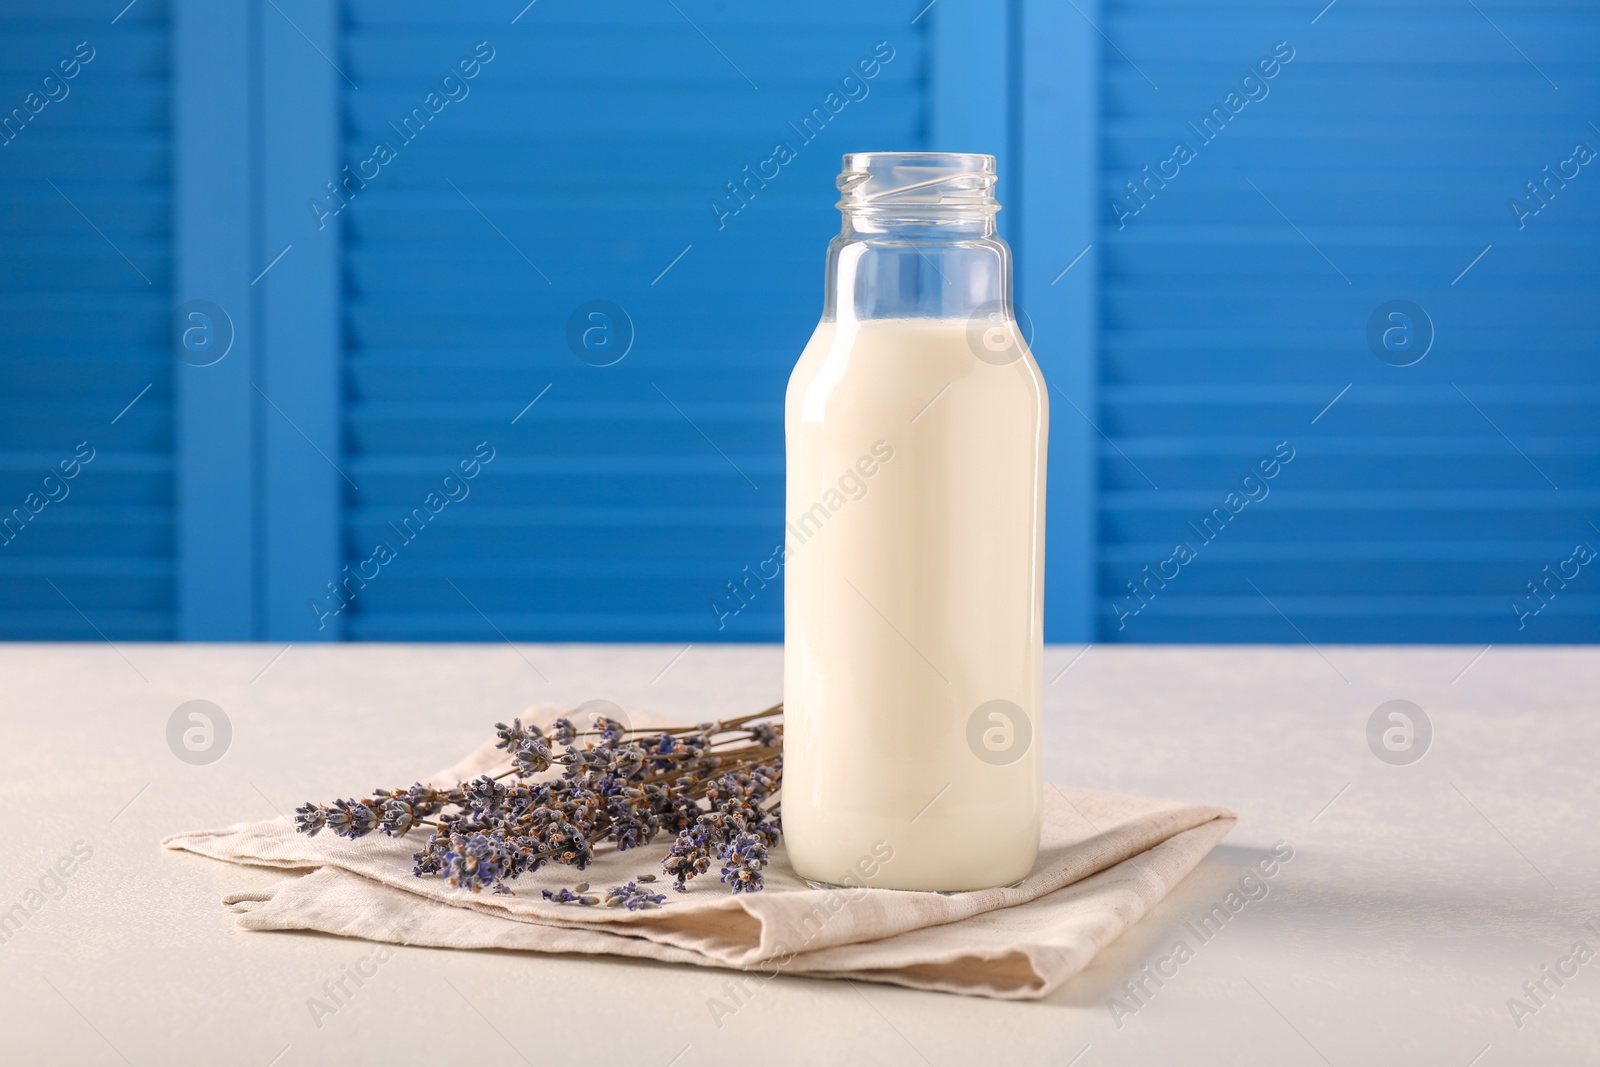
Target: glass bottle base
{"type": "Point", "coordinates": [938, 892]}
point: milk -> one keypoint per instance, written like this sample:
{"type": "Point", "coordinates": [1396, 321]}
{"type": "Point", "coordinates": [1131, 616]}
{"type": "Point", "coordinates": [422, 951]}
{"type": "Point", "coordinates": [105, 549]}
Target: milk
{"type": "Point", "coordinates": [913, 604]}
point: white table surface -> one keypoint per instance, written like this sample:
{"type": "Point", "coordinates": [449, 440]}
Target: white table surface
{"type": "Point", "coordinates": [1416, 904]}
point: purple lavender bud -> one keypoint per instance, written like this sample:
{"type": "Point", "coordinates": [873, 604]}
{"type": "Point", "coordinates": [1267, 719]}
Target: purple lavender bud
{"type": "Point", "coordinates": [310, 818]}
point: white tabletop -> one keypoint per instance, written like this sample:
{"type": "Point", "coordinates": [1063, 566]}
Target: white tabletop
{"type": "Point", "coordinates": [1418, 901]}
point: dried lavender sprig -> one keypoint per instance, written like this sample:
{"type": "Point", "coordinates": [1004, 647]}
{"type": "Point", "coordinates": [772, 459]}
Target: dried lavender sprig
{"type": "Point", "coordinates": [719, 726]}
{"type": "Point", "coordinates": [396, 812]}
{"type": "Point", "coordinates": [737, 828]}
{"type": "Point", "coordinates": [624, 788]}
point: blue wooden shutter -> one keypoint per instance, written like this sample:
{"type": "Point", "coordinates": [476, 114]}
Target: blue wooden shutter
{"type": "Point", "coordinates": [581, 165]}
{"type": "Point", "coordinates": [85, 207]}
{"type": "Point", "coordinates": [1236, 298]}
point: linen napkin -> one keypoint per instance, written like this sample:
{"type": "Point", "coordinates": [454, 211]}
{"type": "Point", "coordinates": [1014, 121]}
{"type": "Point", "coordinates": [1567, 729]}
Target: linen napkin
{"type": "Point", "coordinates": [1104, 860]}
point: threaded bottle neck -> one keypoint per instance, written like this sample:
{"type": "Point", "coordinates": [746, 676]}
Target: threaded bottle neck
{"type": "Point", "coordinates": [918, 239]}
{"type": "Point", "coordinates": [931, 193]}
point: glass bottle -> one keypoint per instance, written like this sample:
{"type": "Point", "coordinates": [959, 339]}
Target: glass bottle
{"type": "Point", "coordinates": [916, 422]}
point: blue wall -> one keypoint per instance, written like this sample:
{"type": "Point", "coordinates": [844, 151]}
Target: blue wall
{"type": "Point", "coordinates": [504, 356]}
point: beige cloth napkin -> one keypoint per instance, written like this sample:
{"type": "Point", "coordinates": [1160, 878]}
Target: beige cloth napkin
{"type": "Point", "coordinates": [1104, 860]}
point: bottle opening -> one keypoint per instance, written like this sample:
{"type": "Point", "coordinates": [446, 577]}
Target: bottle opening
{"type": "Point", "coordinates": [927, 185]}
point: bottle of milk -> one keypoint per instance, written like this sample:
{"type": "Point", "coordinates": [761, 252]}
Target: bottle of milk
{"type": "Point", "coordinates": [916, 422]}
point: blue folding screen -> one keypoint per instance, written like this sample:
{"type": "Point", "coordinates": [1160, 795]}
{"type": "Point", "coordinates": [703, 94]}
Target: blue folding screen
{"type": "Point", "coordinates": [86, 441]}
{"type": "Point", "coordinates": [1273, 179]}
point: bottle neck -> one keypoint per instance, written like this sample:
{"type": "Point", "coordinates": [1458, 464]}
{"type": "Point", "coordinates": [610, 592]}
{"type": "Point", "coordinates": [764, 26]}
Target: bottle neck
{"type": "Point", "coordinates": [906, 268]}
{"type": "Point", "coordinates": [918, 239]}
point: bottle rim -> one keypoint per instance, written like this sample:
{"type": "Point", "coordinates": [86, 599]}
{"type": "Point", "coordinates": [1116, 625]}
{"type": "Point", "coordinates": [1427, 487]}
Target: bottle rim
{"type": "Point", "coordinates": [917, 182]}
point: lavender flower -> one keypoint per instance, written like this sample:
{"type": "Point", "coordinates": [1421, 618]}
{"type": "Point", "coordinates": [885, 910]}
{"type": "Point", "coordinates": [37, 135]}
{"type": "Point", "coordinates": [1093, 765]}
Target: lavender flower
{"type": "Point", "coordinates": [567, 896]}
{"type": "Point", "coordinates": [350, 818]}
{"type": "Point", "coordinates": [568, 845]}
{"type": "Point", "coordinates": [474, 862]}
{"type": "Point", "coordinates": [399, 812]}
{"type": "Point", "coordinates": [516, 735]}
{"type": "Point", "coordinates": [485, 794]}
{"type": "Point", "coordinates": [563, 731]}
{"type": "Point", "coordinates": [531, 758]}
{"type": "Point", "coordinates": [611, 731]}
{"type": "Point", "coordinates": [430, 861]}
{"type": "Point", "coordinates": [310, 818]}
{"type": "Point", "coordinates": [746, 856]}
{"type": "Point", "coordinates": [634, 897]}
{"type": "Point", "coordinates": [665, 745]}
{"type": "Point", "coordinates": [689, 856]}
